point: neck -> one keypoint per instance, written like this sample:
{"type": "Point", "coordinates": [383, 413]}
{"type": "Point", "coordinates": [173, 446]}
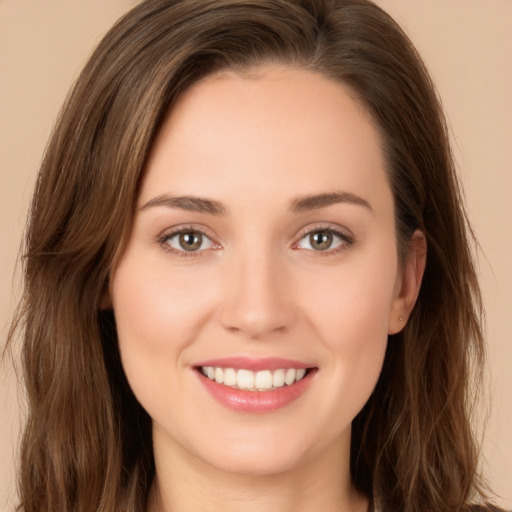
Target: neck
{"type": "Point", "coordinates": [184, 483]}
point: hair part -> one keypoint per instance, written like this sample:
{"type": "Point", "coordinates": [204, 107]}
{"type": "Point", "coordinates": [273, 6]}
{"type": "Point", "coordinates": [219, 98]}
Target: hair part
{"type": "Point", "coordinates": [87, 441]}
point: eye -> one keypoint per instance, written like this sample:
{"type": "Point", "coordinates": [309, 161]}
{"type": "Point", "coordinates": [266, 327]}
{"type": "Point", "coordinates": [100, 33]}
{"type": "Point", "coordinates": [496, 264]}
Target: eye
{"type": "Point", "coordinates": [323, 240]}
{"type": "Point", "coordinates": [188, 241]}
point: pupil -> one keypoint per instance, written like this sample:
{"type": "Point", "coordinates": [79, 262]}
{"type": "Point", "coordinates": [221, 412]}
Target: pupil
{"type": "Point", "coordinates": [191, 241]}
{"type": "Point", "coordinates": [321, 240]}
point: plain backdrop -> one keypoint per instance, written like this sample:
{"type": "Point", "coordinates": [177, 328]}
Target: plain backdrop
{"type": "Point", "coordinates": [467, 45]}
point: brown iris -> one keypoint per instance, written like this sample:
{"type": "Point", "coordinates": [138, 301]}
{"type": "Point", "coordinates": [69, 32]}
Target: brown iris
{"type": "Point", "coordinates": [320, 240]}
{"type": "Point", "coordinates": [190, 241]}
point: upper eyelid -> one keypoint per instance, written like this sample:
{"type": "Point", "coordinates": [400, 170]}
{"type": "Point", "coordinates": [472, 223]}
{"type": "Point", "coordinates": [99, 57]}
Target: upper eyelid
{"type": "Point", "coordinates": [187, 227]}
{"type": "Point", "coordinates": [169, 233]}
{"type": "Point", "coordinates": [163, 240]}
{"type": "Point", "coordinates": [327, 226]}
{"type": "Point", "coordinates": [345, 237]}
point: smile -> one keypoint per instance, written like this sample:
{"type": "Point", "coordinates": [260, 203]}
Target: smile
{"type": "Point", "coordinates": [255, 385]}
{"type": "Point", "coordinates": [264, 380]}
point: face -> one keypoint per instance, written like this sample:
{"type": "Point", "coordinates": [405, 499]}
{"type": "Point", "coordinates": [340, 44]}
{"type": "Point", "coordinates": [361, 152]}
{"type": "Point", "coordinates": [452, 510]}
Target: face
{"type": "Point", "coordinates": [261, 279]}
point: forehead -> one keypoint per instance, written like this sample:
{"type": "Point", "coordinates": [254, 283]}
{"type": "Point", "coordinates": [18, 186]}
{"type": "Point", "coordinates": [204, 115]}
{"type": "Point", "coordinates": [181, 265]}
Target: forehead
{"type": "Point", "coordinates": [273, 128]}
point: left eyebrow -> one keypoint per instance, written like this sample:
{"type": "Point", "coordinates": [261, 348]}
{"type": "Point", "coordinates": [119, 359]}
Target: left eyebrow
{"type": "Point", "coordinates": [314, 202]}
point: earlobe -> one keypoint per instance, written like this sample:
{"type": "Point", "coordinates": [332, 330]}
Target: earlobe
{"type": "Point", "coordinates": [410, 283]}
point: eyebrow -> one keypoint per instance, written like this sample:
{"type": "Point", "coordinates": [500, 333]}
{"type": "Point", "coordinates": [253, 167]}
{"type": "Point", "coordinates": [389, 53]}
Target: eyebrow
{"type": "Point", "coordinates": [318, 201]}
{"type": "Point", "coordinates": [189, 203]}
{"type": "Point", "coordinates": [298, 205]}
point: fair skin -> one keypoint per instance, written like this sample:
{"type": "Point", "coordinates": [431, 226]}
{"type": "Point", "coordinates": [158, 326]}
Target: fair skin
{"type": "Point", "coordinates": [264, 232]}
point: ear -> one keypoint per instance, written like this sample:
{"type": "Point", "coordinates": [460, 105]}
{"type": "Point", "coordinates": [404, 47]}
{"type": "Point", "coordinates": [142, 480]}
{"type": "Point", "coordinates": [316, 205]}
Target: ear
{"type": "Point", "coordinates": [408, 283]}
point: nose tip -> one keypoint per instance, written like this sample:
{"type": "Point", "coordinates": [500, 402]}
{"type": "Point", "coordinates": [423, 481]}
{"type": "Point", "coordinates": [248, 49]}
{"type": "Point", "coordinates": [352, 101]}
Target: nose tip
{"type": "Point", "coordinates": [256, 302]}
{"type": "Point", "coordinates": [252, 323]}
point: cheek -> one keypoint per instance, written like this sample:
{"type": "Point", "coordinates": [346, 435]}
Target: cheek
{"type": "Point", "coordinates": [353, 301]}
{"type": "Point", "coordinates": [157, 307]}
{"type": "Point", "coordinates": [158, 313]}
{"type": "Point", "coordinates": [350, 310]}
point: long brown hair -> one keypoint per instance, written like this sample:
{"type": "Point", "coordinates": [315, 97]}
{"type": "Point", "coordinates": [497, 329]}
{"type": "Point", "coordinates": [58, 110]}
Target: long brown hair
{"type": "Point", "coordinates": [87, 441]}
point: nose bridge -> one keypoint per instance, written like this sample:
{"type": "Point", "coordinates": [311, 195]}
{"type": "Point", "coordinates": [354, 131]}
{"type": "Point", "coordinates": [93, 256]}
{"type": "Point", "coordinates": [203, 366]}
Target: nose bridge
{"type": "Point", "coordinates": [255, 298]}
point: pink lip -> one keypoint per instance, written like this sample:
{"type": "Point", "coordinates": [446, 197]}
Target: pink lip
{"type": "Point", "coordinates": [255, 402]}
{"type": "Point", "coordinates": [255, 365]}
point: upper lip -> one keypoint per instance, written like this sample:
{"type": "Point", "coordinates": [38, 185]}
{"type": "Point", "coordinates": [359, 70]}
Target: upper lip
{"type": "Point", "coordinates": [254, 364]}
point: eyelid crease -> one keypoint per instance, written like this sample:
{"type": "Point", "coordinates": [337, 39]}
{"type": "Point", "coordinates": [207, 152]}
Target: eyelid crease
{"type": "Point", "coordinates": [341, 231]}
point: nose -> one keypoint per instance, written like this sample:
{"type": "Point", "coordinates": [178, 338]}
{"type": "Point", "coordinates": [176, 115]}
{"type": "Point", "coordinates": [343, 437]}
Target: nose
{"type": "Point", "coordinates": [256, 296]}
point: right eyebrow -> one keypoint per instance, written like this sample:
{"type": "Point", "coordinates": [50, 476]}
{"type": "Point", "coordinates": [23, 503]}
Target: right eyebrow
{"type": "Point", "coordinates": [189, 203]}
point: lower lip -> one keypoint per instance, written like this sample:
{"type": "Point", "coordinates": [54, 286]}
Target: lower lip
{"type": "Point", "coordinates": [256, 401]}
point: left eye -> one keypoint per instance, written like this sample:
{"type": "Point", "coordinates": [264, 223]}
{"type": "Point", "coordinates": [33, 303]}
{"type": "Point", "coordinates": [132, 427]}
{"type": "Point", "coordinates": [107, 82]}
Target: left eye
{"type": "Point", "coordinates": [189, 241]}
{"type": "Point", "coordinates": [321, 240]}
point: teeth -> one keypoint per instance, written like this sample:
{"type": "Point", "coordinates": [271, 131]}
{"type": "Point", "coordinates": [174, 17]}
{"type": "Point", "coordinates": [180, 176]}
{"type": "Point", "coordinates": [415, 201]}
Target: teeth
{"type": "Point", "coordinates": [263, 380]}
{"type": "Point", "coordinates": [245, 379]}
{"type": "Point", "coordinates": [278, 378]}
{"type": "Point", "coordinates": [254, 381]}
{"type": "Point", "coordinates": [290, 375]}
{"type": "Point", "coordinates": [300, 373]}
{"type": "Point", "coordinates": [219, 375]}
{"type": "Point", "coordinates": [229, 377]}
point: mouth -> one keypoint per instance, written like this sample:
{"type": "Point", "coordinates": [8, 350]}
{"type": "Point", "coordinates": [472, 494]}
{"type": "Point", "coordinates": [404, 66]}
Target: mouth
{"type": "Point", "coordinates": [263, 380]}
{"type": "Point", "coordinates": [255, 386]}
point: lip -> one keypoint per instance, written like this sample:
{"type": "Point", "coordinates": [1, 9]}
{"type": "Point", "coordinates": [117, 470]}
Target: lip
{"type": "Point", "coordinates": [255, 402]}
{"type": "Point", "coordinates": [255, 365]}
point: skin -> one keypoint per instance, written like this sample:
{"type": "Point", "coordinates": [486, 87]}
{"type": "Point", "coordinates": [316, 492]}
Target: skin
{"type": "Point", "coordinates": [256, 144]}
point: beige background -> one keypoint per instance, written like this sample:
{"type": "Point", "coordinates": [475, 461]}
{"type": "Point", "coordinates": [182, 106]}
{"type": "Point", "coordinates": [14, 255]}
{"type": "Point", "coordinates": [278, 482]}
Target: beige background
{"type": "Point", "coordinates": [467, 45]}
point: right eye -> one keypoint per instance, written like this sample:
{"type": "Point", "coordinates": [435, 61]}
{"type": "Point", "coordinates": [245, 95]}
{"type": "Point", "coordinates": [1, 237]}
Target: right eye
{"type": "Point", "coordinates": [188, 240]}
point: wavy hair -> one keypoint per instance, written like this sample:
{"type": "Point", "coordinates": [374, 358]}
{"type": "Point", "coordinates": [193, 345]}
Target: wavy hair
{"type": "Point", "coordinates": [87, 441]}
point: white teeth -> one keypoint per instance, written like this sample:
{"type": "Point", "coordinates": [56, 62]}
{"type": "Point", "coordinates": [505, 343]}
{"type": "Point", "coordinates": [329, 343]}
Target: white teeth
{"type": "Point", "coordinates": [264, 380]}
{"type": "Point", "coordinates": [278, 378]}
{"type": "Point", "coordinates": [245, 379]}
{"type": "Point", "coordinates": [219, 375]}
{"type": "Point", "coordinates": [289, 377]}
{"type": "Point", "coordinates": [229, 377]}
{"type": "Point", "coordinates": [300, 373]}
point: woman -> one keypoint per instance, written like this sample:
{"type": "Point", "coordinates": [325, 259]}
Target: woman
{"type": "Point", "coordinates": [249, 281]}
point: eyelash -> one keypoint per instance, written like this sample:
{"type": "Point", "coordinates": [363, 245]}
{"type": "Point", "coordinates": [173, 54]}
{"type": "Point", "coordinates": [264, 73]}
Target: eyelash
{"type": "Point", "coordinates": [345, 239]}
{"type": "Point", "coordinates": [164, 239]}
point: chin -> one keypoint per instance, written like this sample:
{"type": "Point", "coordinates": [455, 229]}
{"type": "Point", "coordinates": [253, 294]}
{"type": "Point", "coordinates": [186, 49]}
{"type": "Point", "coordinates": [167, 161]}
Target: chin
{"type": "Point", "coordinates": [257, 462]}
{"type": "Point", "coordinates": [266, 451]}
